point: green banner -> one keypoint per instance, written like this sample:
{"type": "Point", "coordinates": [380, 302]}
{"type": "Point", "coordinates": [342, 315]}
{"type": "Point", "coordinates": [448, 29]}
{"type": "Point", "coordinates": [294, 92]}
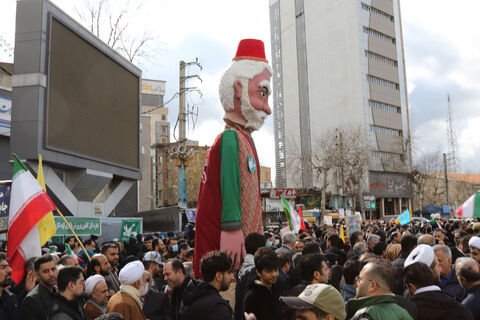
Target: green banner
{"type": "Point", "coordinates": [130, 229]}
{"type": "Point", "coordinates": [81, 226]}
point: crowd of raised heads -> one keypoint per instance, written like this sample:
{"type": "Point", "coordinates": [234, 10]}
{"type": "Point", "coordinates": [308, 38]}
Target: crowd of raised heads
{"type": "Point", "coordinates": [424, 270]}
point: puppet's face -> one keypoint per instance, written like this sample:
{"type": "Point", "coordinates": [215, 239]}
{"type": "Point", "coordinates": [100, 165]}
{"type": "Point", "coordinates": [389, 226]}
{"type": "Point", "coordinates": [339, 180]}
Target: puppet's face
{"type": "Point", "coordinates": [253, 101]}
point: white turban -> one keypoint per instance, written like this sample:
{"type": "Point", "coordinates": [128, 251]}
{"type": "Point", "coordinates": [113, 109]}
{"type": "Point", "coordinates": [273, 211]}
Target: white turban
{"type": "Point", "coordinates": [91, 282]}
{"type": "Point", "coordinates": [422, 253]}
{"type": "Point", "coordinates": [132, 272]}
{"type": "Point", "coordinates": [474, 242]}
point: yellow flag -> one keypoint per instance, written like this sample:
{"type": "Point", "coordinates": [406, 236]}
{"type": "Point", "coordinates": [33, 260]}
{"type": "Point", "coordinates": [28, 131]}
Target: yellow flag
{"type": "Point", "coordinates": [46, 226]}
{"type": "Point", "coordinates": [341, 235]}
{"type": "Point", "coordinates": [410, 208]}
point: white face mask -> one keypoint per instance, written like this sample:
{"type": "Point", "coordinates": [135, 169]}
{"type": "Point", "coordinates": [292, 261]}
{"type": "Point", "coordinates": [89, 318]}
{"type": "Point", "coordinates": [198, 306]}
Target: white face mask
{"type": "Point", "coordinates": [144, 288]}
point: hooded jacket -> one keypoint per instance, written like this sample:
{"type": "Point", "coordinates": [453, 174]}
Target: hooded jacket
{"type": "Point", "coordinates": [263, 302]}
{"type": "Point", "coordinates": [202, 301]}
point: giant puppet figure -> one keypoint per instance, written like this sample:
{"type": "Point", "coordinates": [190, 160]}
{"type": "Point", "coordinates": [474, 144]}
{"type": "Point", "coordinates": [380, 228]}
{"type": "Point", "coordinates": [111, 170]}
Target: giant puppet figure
{"type": "Point", "coordinates": [229, 206]}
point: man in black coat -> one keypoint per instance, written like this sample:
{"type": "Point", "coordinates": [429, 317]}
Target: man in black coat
{"type": "Point", "coordinates": [9, 306]}
{"type": "Point", "coordinates": [67, 304]}
{"type": "Point", "coordinates": [432, 303]}
{"type": "Point", "coordinates": [174, 275]}
{"type": "Point", "coordinates": [37, 301]}
{"type": "Point", "coordinates": [262, 299]}
{"type": "Point", "coordinates": [155, 304]}
{"type": "Point", "coordinates": [201, 299]}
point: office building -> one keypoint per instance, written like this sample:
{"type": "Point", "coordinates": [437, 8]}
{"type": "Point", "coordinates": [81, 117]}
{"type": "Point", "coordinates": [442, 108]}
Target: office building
{"type": "Point", "coordinates": [340, 64]}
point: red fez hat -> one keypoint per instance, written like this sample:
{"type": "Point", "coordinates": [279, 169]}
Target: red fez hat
{"type": "Point", "coordinates": [251, 49]}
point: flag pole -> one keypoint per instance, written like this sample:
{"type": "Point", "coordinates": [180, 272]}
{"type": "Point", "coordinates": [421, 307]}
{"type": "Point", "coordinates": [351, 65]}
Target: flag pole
{"type": "Point", "coordinates": [74, 234]}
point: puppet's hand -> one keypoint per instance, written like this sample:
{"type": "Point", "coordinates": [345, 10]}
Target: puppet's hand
{"type": "Point", "coordinates": [233, 244]}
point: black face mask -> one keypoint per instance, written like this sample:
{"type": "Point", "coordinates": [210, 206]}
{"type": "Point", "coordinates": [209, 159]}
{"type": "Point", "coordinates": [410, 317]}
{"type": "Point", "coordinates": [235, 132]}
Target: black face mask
{"type": "Point", "coordinates": [161, 251]}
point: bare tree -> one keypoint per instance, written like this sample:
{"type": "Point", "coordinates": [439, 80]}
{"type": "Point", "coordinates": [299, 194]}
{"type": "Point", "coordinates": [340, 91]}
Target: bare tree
{"type": "Point", "coordinates": [110, 21]}
{"type": "Point", "coordinates": [428, 188]}
{"type": "Point", "coordinates": [338, 159]}
{"type": "Point", "coordinates": [6, 47]}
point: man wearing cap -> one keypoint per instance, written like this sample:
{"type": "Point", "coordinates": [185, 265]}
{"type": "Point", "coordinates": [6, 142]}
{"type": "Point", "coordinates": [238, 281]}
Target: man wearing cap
{"type": "Point", "coordinates": [155, 303]}
{"type": "Point", "coordinates": [229, 205]}
{"type": "Point", "coordinates": [317, 302]}
{"type": "Point", "coordinates": [474, 244]}
{"type": "Point", "coordinates": [374, 298]}
{"type": "Point", "coordinates": [152, 261]}
{"type": "Point", "coordinates": [133, 280]}
{"type": "Point", "coordinates": [96, 290]}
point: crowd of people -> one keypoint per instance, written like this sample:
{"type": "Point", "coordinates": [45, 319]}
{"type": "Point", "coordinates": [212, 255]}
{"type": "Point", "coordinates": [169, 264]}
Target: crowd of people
{"type": "Point", "coordinates": [423, 270]}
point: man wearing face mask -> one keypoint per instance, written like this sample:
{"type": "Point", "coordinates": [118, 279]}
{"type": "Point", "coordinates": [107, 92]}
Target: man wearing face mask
{"type": "Point", "coordinates": [155, 303]}
{"type": "Point", "coordinates": [270, 240]}
{"type": "Point", "coordinates": [133, 287]}
{"type": "Point", "coordinates": [172, 245]}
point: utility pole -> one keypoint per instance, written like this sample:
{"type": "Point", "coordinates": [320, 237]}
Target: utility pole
{"type": "Point", "coordinates": [182, 117]}
{"type": "Point", "coordinates": [182, 152]}
{"type": "Point", "coordinates": [446, 177]}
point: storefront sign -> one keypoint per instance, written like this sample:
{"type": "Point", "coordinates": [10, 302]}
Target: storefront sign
{"type": "Point", "coordinates": [286, 193]}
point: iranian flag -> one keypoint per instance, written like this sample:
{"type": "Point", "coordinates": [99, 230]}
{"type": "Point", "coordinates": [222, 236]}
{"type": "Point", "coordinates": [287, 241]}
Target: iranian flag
{"type": "Point", "coordinates": [471, 207]}
{"type": "Point", "coordinates": [294, 220]}
{"type": "Point", "coordinates": [29, 203]}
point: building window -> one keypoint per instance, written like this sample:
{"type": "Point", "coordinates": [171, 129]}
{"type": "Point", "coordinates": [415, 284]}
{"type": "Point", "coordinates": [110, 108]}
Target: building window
{"type": "Point", "coordinates": [164, 129]}
{"type": "Point", "coordinates": [160, 159]}
{"type": "Point", "coordinates": [377, 57]}
{"type": "Point", "coordinates": [383, 130]}
{"type": "Point", "coordinates": [383, 82]}
{"type": "Point", "coordinates": [379, 35]}
{"type": "Point", "coordinates": [387, 155]}
{"type": "Point", "coordinates": [164, 117]}
{"type": "Point", "coordinates": [377, 12]}
{"type": "Point", "coordinates": [383, 106]}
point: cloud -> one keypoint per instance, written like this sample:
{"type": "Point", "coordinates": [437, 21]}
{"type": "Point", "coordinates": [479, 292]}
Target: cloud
{"type": "Point", "coordinates": [443, 58]}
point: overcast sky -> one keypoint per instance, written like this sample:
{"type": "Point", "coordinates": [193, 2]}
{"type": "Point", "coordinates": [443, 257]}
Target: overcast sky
{"type": "Point", "coordinates": [442, 51]}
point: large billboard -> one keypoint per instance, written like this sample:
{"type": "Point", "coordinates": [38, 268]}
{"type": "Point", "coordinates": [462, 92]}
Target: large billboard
{"type": "Point", "coordinates": [92, 108]}
{"type": "Point", "coordinates": [75, 100]}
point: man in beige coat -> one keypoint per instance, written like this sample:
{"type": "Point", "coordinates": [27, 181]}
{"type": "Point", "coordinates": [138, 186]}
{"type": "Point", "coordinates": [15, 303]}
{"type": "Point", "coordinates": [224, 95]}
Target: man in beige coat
{"type": "Point", "coordinates": [133, 286]}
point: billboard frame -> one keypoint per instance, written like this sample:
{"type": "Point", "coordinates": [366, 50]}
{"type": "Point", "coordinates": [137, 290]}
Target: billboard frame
{"type": "Point", "coordinates": [31, 87]}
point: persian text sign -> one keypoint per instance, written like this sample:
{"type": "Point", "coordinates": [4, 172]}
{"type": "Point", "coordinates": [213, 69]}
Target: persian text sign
{"type": "Point", "coordinates": [286, 193]}
{"type": "Point", "coordinates": [81, 226]}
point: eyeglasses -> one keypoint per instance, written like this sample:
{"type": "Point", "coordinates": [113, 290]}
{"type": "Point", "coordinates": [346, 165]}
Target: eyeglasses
{"type": "Point", "coordinates": [359, 279]}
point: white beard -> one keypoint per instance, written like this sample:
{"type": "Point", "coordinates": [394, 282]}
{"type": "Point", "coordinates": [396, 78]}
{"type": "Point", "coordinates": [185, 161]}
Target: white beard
{"type": "Point", "coordinates": [254, 117]}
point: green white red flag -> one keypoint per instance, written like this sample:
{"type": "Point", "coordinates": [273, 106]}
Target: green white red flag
{"type": "Point", "coordinates": [294, 220]}
{"type": "Point", "coordinates": [471, 207]}
{"type": "Point", "coordinates": [29, 203]}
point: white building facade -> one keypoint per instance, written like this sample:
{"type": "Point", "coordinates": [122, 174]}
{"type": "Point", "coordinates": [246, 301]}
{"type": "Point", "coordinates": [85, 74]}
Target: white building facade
{"type": "Point", "coordinates": [340, 63]}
